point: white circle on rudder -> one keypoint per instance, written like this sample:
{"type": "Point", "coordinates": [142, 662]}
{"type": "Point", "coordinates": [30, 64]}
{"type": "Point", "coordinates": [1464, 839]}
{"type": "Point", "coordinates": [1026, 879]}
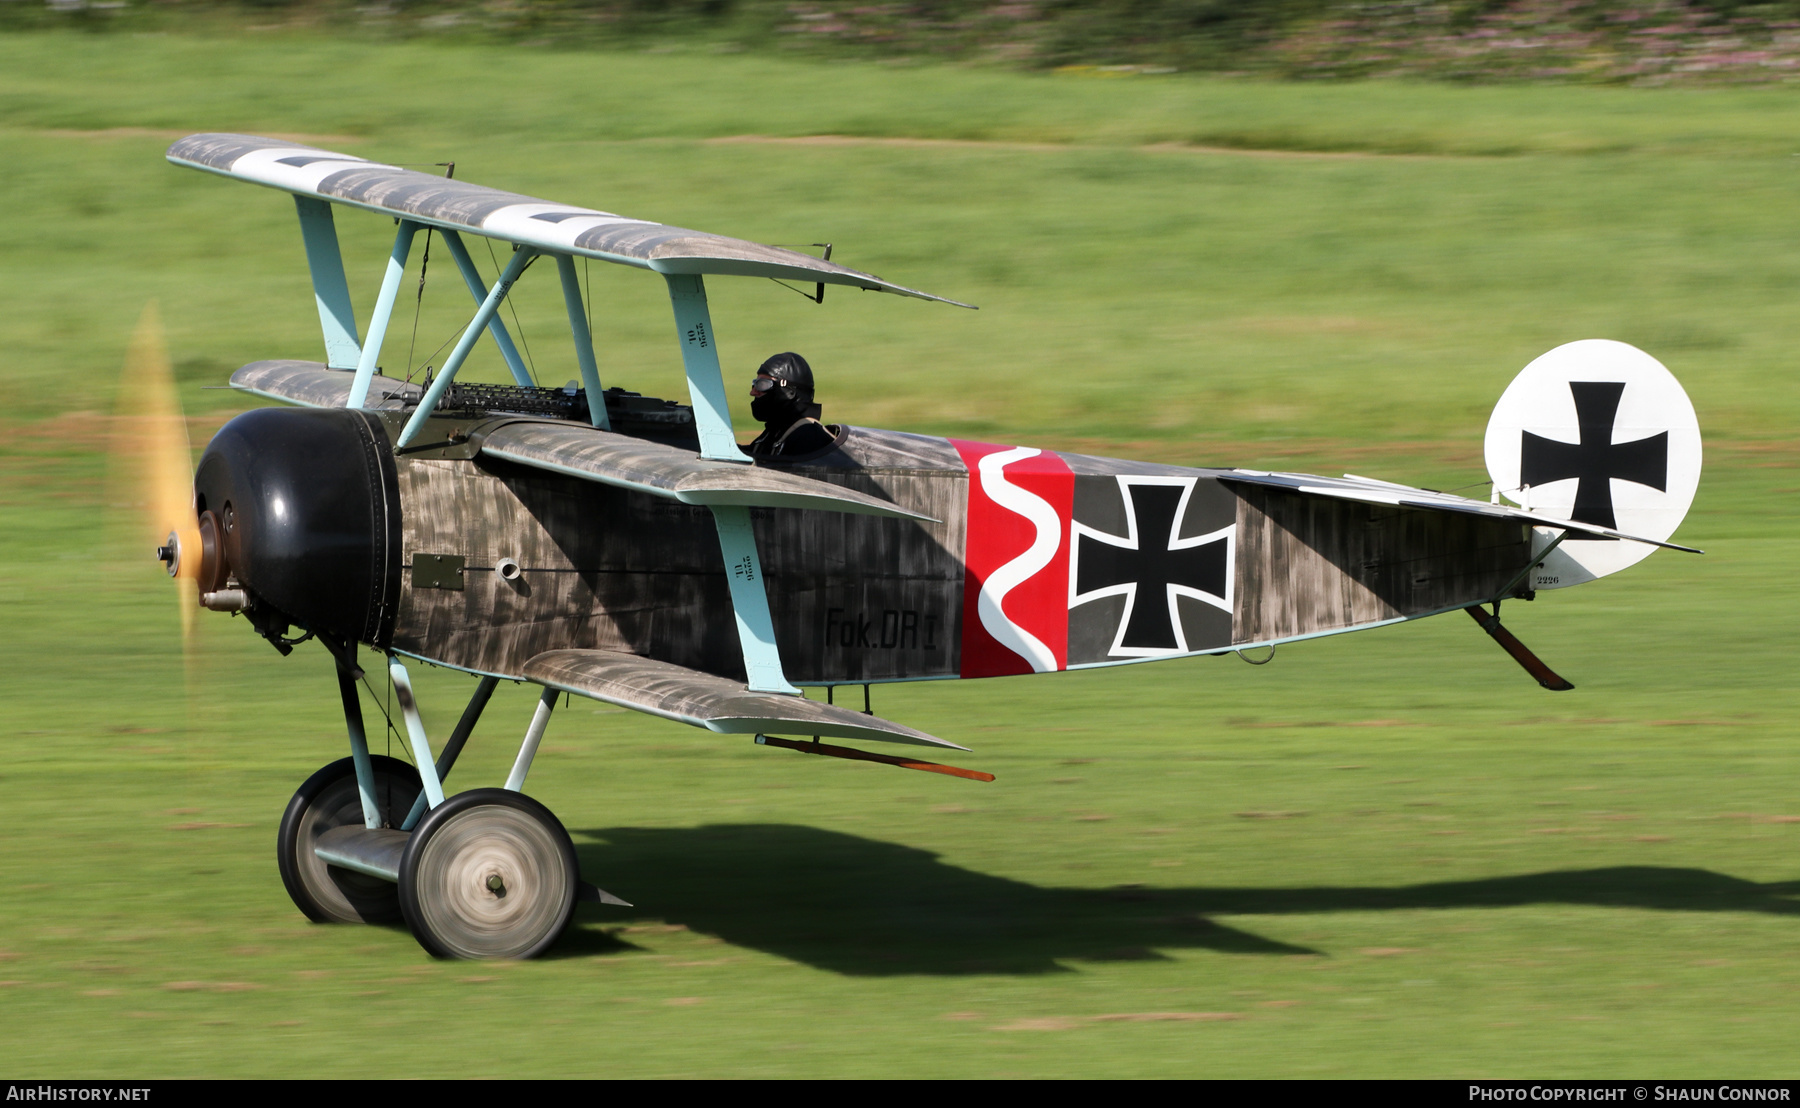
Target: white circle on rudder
{"type": "Point", "coordinates": [1540, 402]}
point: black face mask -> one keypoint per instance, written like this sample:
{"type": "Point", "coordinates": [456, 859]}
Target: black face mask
{"type": "Point", "coordinates": [768, 406]}
{"type": "Point", "coordinates": [778, 405]}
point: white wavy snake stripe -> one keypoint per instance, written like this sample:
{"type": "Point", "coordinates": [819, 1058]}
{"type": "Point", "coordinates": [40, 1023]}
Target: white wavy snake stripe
{"type": "Point", "coordinates": [989, 603]}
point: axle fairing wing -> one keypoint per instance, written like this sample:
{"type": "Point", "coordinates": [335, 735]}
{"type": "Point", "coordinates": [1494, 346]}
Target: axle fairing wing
{"type": "Point", "coordinates": [434, 201]}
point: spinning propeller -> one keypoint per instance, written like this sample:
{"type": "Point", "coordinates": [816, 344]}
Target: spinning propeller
{"type": "Point", "coordinates": [150, 448]}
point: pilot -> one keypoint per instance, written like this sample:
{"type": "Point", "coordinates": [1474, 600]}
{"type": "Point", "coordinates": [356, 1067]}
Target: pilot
{"type": "Point", "coordinates": [782, 397]}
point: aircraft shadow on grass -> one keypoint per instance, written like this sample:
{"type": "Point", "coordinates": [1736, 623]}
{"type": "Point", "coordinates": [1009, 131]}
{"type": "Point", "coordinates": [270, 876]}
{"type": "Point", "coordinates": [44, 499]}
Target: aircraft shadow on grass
{"type": "Point", "coordinates": [870, 908]}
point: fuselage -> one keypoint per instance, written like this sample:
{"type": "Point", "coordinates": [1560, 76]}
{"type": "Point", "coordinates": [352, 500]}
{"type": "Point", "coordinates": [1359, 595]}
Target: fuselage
{"type": "Point", "coordinates": [1046, 561]}
{"type": "Point", "coordinates": [1036, 560]}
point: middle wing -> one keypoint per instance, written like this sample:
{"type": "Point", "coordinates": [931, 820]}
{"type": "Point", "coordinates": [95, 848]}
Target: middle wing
{"type": "Point", "coordinates": [577, 450]}
{"type": "Point", "coordinates": [671, 472]}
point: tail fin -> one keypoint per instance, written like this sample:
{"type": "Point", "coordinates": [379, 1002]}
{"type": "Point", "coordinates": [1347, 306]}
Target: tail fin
{"type": "Point", "coordinates": [1601, 432]}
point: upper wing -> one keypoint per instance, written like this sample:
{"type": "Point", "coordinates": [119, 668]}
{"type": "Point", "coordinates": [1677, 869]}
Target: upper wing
{"type": "Point", "coordinates": [1371, 491]}
{"type": "Point", "coordinates": [458, 205]}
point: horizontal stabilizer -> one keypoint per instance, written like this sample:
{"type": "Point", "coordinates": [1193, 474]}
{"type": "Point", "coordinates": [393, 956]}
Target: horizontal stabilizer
{"type": "Point", "coordinates": [669, 471]}
{"type": "Point", "coordinates": [1371, 491]}
{"type": "Point", "coordinates": [704, 700]}
{"type": "Point", "coordinates": [435, 201]}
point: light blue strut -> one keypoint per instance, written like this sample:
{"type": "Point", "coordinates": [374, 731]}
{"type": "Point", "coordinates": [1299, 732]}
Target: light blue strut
{"type": "Point", "coordinates": [483, 316]}
{"type": "Point", "coordinates": [415, 732]}
{"type": "Point", "coordinates": [749, 601]}
{"type": "Point", "coordinates": [479, 290]}
{"type": "Point", "coordinates": [584, 342]}
{"type": "Point", "coordinates": [484, 691]}
{"type": "Point", "coordinates": [700, 358]}
{"type": "Point", "coordinates": [332, 293]}
{"type": "Point", "coordinates": [534, 734]}
{"type": "Point", "coordinates": [384, 311]}
{"type": "Point", "coordinates": [712, 417]}
{"type": "Point", "coordinates": [359, 743]}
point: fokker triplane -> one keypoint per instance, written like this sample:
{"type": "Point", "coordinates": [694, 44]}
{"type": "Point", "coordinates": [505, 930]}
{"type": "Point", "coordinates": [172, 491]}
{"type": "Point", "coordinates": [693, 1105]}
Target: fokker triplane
{"type": "Point", "coordinates": [610, 545]}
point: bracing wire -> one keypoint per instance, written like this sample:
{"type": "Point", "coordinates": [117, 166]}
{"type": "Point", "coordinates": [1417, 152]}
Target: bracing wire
{"type": "Point", "coordinates": [513, 310]}
{"type": "Point", "coordinates": [432, 358]}
{"type": "Point", "coordinates": [801, 292]}
{"type": "Point", "coordinates": [383, 709]}
{"type": "Point", "coordinates": [418, 305]}
{"type": "Point", "coordinates": [1470, 485]}
{"type": "Point", "coordinates": [419, 297]}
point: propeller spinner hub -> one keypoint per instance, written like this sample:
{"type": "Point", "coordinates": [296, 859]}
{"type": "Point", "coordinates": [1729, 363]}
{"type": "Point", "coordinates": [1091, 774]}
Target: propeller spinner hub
{"type": "Point", "coordinates": [169, 554]}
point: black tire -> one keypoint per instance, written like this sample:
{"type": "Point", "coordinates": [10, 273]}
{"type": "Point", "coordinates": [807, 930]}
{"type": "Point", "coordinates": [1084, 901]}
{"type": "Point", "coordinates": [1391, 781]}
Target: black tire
{"type": "Point", "coordinates": [489, 873]}
{"type": "Point", "coordinates": [327, 893]}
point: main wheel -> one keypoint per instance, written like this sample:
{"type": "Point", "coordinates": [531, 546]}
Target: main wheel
{"type": "Point", "coordinates": [488, 874]}
{"type": "Point", "coordinates": [327, 893]}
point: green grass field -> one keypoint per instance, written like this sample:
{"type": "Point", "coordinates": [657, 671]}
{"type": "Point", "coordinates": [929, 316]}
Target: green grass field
{"type": "Point", "coordinates": [1384, 855]}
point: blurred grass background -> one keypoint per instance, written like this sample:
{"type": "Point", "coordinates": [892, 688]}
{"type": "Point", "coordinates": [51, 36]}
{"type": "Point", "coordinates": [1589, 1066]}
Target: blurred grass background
{"type": "Point", "coordinates": [1649, 43]}
{"type": "Point", "coordinates": [1386, 854]}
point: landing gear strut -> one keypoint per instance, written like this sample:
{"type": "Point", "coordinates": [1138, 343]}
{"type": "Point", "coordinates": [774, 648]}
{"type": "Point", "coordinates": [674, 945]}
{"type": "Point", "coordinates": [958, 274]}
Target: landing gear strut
{"type": "Point", "coordinates": [487, 873]}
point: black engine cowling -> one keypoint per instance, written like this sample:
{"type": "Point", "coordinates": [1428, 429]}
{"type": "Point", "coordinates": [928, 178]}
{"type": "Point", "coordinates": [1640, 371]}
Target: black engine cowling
{"type": "Point", "coordinates": [302, 507]}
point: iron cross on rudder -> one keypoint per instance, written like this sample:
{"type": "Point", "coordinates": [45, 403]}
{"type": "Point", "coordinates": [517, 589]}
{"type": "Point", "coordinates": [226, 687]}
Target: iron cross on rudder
{"type": "Point", "coordinates": [1596, 460]}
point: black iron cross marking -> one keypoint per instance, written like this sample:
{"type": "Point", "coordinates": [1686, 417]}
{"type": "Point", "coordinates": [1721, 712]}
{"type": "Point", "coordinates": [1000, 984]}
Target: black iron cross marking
{"type": "Point", "coordinates": [1596, 459]}
{"type": "Point", "coordinates": [1148, 571]}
